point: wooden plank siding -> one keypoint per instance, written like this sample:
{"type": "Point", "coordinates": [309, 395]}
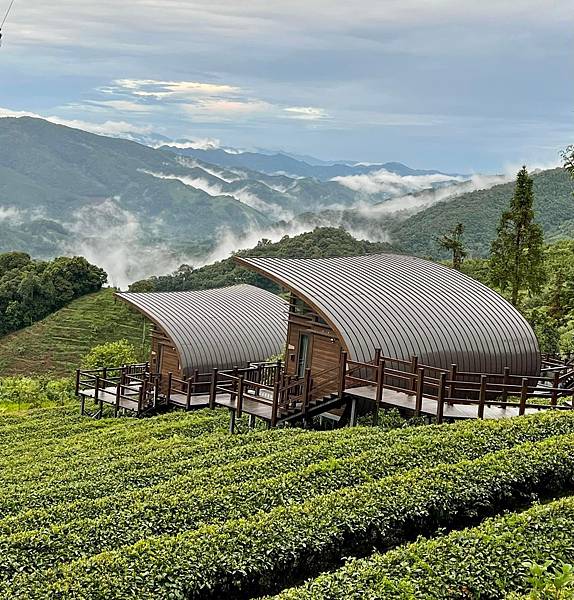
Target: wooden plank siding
{"type": "Point", "coordinates": [324, 348]}
{"type": "Point", "coordinates": [164, 357]}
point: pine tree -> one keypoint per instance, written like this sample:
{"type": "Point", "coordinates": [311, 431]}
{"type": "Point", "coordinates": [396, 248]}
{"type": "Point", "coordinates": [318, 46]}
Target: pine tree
{"type": "Point", "coordinates": [516, 255]}
{"type": "Point", "coordinates": [452, 240]}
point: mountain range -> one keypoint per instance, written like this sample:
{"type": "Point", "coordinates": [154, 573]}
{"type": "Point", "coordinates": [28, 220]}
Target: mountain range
{"type": "Point", "coordinates": [138, 211]}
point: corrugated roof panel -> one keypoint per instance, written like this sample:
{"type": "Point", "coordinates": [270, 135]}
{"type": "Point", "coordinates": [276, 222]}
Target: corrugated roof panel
{"type": "Point", "coordinates": [219, 327]}
{"type": "Point", "coordinates": [409, 306]}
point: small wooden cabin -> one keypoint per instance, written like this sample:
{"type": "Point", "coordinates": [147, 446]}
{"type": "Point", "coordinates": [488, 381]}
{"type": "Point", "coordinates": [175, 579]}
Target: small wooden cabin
{"type": "Point", "coordinates": [207, 329]}
{"type": "Point", "coordinates": [403, 305]}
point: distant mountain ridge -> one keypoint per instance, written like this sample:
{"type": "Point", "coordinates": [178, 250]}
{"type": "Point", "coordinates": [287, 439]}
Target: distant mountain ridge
{"type": "Point", "coordinates": [284, 163]}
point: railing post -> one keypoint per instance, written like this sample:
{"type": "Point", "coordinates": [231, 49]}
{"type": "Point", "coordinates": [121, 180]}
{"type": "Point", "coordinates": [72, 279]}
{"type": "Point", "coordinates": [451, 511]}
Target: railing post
{"type": "Point", "coordinates": [77, 382]}
{"type": "Point", "coordinates": [506, 382]}
{"type": "Point", "coordinates": [342, 373]}
{"type": "Point", "coordinates": [555, 384]}
{"type": "Point", "coordinates": [169, 384]}
{"type": "Point", "coordinates": [523, 396]}
{"type": "Point", "coordinates": [482, 396]}
{"type": "Point", "coordinates": [306, 389]}
{"type": "Point", "coordinates": [190, 383]}
{"type": "Point", "coordinates": [275, 409]}
{"type": "Point", "coordinates": [118, 399]}
{"type": "Point", "coordinates": [213, 389]}
{"type": "Point", "coordinates": [379, 390]}
{"type": "Point", "coordinates": [378, 354]}
{"type": "Point", "coordinates": [278, 366]}
{"type": "Point", "coordinates": [414, 369]}
{"type": "Point", "coordinates": [420, 392]}
{"type": "Point", "coordinates": [441, 397]}
{"type": "Point", "coordinates": [142, 394]}
{"type": "Point", "coordinates": [105, 375]}
{"type": "Point", "coordinates": [240, 396]}
{"type": "Point", "coordinates": [452, 388]}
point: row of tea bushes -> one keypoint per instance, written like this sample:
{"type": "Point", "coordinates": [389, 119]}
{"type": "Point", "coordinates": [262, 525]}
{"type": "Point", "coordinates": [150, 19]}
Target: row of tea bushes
{"type": "Point", "coordinates": [245, 557]}
{"type": "Point", "coordinates": [147, 469]}
{"type": "Point", "coordinates": [487, 562]}
{"type": "Point", "coordinates": [66, 532]}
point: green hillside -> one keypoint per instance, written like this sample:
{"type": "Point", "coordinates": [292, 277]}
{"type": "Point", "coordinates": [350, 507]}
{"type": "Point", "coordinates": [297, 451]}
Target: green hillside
{"type": "Point", "coordinates": [57, 344]}
{"type": "Point", "coordinates": [480, 212]}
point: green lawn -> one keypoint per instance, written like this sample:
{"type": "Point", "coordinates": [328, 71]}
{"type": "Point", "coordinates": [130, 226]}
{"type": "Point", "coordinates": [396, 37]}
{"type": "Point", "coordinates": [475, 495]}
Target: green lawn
{"type": "Point", "coordinates": [56, 345]}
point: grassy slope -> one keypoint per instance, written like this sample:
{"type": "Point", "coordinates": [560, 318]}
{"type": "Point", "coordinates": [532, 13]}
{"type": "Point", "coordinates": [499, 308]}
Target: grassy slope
{"type": "Point", "coordinates": [57, 344]}
{"type": "Point", "coordinates": [480, 213]}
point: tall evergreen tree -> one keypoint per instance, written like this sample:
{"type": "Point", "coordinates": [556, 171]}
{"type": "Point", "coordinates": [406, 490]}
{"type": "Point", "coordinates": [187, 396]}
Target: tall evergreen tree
{"type": "Point", "coordinates": [452, 241]}
{"type": "Point", "coordinates": [516, 255]}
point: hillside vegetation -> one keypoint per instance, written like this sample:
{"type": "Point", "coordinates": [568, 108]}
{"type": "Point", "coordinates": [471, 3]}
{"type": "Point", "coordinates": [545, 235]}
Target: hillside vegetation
{"type": "Point", "coordinates": [480, 212]}
{"type": "Point", "coordinates": [175, 507]}
{"type": "Point", "coordinates": [32, 289]}
{"type": "Point", "coordinates": [56, 345]}
{"type": "Point", "coordinates": [323, 242]}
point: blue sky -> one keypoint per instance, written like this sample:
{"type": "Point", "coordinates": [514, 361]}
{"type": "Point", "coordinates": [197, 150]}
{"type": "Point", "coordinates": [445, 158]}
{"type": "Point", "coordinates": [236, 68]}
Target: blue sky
{"type": "Point", "coordinates": [458, 85]}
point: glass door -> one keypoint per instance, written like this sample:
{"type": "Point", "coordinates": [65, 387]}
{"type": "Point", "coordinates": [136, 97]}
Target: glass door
{"type": "Point", "coordinates": [303, 354]}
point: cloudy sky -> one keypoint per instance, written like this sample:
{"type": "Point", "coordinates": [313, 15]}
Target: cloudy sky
{"type": "Point", "coordinates": [452, 84]}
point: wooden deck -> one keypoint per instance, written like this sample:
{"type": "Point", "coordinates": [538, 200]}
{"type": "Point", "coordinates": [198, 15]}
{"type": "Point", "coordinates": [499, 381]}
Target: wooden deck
{"type": "Point", "coordinates": [108, 396]}
{"type": "Point", "coordinates": [406, 402]}
{"type": "Point", "coordinates": [196, 401]}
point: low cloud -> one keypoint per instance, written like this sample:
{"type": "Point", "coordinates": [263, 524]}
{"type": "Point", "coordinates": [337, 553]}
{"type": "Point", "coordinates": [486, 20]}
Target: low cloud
{"type": "Point", "coordinates": [151, 88]}
{"type": "Point", "coordinates": [10, 214]}
{"type": "Point", "coordinates": [392, 184]}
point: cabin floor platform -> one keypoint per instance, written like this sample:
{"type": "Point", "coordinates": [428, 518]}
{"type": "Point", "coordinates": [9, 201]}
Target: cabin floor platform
{"type": "Point", "coordinates": [406, 402]}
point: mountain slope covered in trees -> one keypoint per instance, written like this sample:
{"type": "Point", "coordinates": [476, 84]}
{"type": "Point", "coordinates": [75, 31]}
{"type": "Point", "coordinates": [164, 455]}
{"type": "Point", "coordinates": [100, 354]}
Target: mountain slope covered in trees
{"type": "Point", "coordinates": [480, 212]}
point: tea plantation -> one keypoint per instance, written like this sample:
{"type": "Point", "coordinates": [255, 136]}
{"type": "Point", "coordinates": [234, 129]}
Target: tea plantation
{"type": "Point", "coordinates": [174, 507]}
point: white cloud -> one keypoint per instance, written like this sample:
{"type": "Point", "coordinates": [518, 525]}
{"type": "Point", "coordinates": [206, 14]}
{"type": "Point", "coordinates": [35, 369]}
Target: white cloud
{"type": "Point", "coordinates": [306, 113]}
{"type": "Point", "coordinates": [10, 214]}
{"type": "Point", "coordinates": [197, 144]}
{"type": "Point", "coordinates": [392, 184]}
{"type": "Point", "coordinates": [151, 88]}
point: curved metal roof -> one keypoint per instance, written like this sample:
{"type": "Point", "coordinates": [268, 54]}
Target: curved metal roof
{"type": "Point", "coordinates": [408, 306]}
{"type": "Point", "coordinates": [217, 328]}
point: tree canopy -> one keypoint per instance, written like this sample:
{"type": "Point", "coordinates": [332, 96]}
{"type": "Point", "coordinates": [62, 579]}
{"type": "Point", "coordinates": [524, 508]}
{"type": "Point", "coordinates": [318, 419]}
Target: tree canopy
{"type": "Point", "coordinates": [32, 289]}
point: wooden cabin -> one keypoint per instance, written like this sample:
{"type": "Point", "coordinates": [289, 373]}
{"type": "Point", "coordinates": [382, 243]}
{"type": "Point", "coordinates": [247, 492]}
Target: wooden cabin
{"type": "Point", "coordinates": [397, 306]}
{"type": "Point", "coordinates": [197, 331]}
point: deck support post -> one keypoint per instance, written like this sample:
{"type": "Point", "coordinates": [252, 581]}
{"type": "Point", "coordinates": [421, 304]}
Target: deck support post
{"type": "Point", "coordinates": [97, 396]}
{"type": "Point", "coordinates": [379, 390]}
{"type": "Point", "coordinates": [353, 418]}
{"type": "Point", "coordinates": [77, 382]}
{"type": "Point", "coordinates": [452, 389]}
{"type": "Point", "coordinates": [306, 391]}
{"type": "Point", "coordinates": [523, 396]}
{"type": "Point", "coordinates": [414, 369]}
{"type": "Point", "coordinates": [232, 421]}
{"type": "Point", "coordinates": [506, 382]}
{"type": "Point", "coordinates": [275, 408]}
{"type": "Point", "coordinates": [213, 389]}
{"type": "Point", "coordinates": [190, 383]}
{"type": "Point", "coordinates": [482, 396]}
{"type": "Point", "coordinates": [169, 385]}
{"type": "Point", "coordinates": [251, 421]}
{"type": "Point", "coordinates": [441, 397]}
{"type": "Point", "coordinates": [420, 391]}
{"type": "Point", "coordinates": [240, 396]}
{"type": "Point", "coordinates": [118, 398]}
{"type": "Point", "coordinates": [555, 385]}
{"type": "Point", "coordinates": [342, 373]}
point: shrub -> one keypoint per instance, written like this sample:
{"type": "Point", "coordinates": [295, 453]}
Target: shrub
{"type": "Point", "coordinates": [111, 354]}
{"type": "Point", "coordinates": [17, 393]}
{"type": "Point", "coordinates": [244, 557]}
{"type": "Point", "coordinates": [483, 563]}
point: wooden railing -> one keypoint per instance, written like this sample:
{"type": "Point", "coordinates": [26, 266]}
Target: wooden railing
{"type": "Point", "coordinates": [451, 387]}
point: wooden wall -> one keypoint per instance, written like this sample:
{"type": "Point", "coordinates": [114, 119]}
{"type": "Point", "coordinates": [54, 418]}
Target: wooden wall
{"type": "Point", "coordinates": [325, 346]}
{"type": "Point", "coordinates": [162, 348]}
